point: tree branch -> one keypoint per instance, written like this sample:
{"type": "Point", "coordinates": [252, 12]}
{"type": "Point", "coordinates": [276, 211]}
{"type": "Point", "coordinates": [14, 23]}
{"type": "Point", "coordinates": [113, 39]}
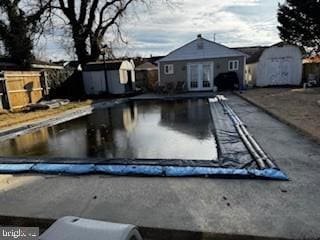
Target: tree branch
{"type": "Point", "coordinates": [115, 17]}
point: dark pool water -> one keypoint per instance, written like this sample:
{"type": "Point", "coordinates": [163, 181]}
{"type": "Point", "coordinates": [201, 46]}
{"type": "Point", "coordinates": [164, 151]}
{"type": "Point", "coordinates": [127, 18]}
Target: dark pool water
{"type": "Point", "coordinates": [156, 130]}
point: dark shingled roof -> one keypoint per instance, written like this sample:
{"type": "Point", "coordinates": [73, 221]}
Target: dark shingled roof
{"type": "Point", "coordinates": [254, 53]}
{"type": "Point", "coordinates": [146, 66]}
{"type": "Point", "coordinates": [98, 66]}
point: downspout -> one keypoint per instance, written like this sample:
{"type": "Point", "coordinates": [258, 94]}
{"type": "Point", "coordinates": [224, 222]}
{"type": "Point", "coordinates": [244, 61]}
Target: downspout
{"type": "Point", "coordinates": [159, 69]}
{"type": "Point", "coordinates": [243, 87]}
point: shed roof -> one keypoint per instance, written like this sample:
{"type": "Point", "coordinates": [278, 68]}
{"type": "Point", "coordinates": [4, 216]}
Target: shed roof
{"type": "Point", "coordinates": [99, 65]}
{"type": "Point", "coordinates": [201, 48]}
{"type": "Point", "coordinates": [312, 59]}
{"type": "Point", "coordinates": [147, 66]}
{"type": "Point", "coordinates": [110, 65]}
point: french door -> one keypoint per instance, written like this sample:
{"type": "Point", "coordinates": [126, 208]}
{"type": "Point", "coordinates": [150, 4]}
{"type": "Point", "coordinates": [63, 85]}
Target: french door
{"type": "Point", "coordinates": [200, 76]}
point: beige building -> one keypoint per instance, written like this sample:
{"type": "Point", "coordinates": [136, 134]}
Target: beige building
{"type": "Point", "coordinates": [198, 63]}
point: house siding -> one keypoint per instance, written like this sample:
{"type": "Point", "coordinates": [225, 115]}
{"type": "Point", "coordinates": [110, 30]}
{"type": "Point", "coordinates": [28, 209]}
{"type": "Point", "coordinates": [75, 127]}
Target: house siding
{"type": "Point", "coordinates": [181, 70]}
{"type": "Point", "coordinates": [251, 74]}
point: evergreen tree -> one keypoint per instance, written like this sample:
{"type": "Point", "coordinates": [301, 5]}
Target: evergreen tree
{"type": "Point", "coordinates": [300, 23]}
{"type": "Point", "coordinates": [17, 28]}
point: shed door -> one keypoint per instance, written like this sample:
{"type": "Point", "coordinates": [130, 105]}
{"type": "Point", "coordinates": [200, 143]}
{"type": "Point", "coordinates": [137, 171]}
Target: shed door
{"type": "Point", "coordinates": [279, 71]}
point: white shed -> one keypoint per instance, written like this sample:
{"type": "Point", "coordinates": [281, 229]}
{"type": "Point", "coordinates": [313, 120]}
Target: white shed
{"type": "Point", "coordinates": [119, 75]}
{"type": "Point", "coordinates": [277, 65]}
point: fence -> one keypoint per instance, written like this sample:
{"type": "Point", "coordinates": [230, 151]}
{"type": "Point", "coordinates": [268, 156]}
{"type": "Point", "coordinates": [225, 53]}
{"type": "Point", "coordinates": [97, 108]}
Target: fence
{"type": "Point", "coordinates": [20, 88]}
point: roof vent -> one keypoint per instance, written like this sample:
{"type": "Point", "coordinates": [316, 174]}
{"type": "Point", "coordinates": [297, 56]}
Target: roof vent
{"type": "Point", "coordinates": [200, 42]}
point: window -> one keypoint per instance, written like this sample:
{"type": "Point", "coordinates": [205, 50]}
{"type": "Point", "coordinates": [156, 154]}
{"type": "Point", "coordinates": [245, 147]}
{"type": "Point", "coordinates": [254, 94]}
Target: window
{"type": "Point", "coordinates": [233, 65]}
{"type": "Point", "coordinates": [194, 76]}
{"type": "Point", "coordinates": [206, 75]}
{"type": "Point", "coordinates": [168, 69]}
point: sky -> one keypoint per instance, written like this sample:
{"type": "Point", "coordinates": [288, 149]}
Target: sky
{"type": "Point", "coordinates": [162, 27]}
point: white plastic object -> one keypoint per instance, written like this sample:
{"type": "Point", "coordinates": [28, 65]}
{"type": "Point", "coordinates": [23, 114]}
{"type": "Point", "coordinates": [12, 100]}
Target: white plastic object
{"type": "Point", "coordinates": [75, 228]}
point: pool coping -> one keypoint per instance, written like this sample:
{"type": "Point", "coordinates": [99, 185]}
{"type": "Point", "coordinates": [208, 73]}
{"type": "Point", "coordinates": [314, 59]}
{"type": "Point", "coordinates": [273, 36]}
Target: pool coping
{"type": "Point", "coordinates": [57, 119]}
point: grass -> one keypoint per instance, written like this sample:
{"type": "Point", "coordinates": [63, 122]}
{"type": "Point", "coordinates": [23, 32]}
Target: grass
{"type": "Point", "coordinates": [8, 120]}
{"type": "Point", "coordinates": [297, 107]}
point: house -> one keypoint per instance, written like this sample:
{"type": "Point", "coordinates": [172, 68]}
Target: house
{"type": "Point", "coordinates": [197, 64]}
{"type": "Point", "coordinates": [36, 65]}
{"type": "Point", "coordinates": [311, 69]}
{"type": "Point", "coordinates": [279, 64]}
{"type": "Point", "coordinates": [114, 77]}
{"type": "Point", "coordinates": [146, 75]}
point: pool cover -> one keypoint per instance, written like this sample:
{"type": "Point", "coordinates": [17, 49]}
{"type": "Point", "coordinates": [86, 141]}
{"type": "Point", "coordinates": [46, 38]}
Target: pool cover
{"type": "Point", "coordinates": [240, 156]}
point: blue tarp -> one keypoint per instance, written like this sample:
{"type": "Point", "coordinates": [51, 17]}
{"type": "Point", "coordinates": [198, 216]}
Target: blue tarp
{"type": "Point", "coordinates": [122, 170]}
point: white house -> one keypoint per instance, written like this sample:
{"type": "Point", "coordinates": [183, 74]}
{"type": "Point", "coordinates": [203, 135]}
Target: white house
{"type": "Point", "coordinates": [115, 77]}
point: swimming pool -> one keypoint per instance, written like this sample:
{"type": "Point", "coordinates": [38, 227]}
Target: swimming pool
{"type": "Point", "coordinates": [134, 130]}
{"type": "Point", "coordinates": [168, 137]}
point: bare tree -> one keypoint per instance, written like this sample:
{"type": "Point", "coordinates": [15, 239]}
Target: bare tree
{"type": "Point", "coordinates": [89, 21]}
{"type": "Point", "coordinates": [20, 21]}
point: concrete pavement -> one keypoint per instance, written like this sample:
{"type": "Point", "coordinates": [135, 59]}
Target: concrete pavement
{"type": "Point", "coordinates": [222, 207]}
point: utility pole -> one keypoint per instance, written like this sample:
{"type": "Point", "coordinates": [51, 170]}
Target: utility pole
{"type": "Point", "coordinates": [214, 37]}
{"type": "Point", "coordinates": [105, 70]}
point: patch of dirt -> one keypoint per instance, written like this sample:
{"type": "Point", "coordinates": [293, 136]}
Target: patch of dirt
{"type": "Point", "coordinates": [297, 106]}
{"type": "Point", "coordinates": [8, 120]}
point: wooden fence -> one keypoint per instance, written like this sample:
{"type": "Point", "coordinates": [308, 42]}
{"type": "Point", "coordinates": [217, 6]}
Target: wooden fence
{"type": "Point", "coordinates": [20, 88]}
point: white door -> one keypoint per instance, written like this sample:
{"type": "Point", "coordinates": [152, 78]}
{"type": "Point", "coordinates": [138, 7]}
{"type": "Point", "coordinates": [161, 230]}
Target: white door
{"type": "Point", "coordinates": [200, 76]}
{"type": "Point", "coordinates": [278, 72]}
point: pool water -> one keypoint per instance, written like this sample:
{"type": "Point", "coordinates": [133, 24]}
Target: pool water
{"type": "Point", "coordinates": [135, 130]}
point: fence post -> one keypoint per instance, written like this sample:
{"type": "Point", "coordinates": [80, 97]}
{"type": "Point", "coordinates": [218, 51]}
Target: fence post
{"type": "Point", "coordinates": [44, 84]}
{"type": "Point", "coordinates": [1, 91]}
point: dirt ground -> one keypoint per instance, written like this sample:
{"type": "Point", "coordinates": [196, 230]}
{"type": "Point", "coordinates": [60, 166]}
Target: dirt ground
{"type": "Point", "coordinates": [298, 107]}
{"type": "Point", "coordinates": [8, 120]}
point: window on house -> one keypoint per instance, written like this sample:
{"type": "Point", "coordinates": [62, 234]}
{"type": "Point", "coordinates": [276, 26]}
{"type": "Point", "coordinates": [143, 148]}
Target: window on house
{"type": "Point", "coordinates": [168, 69]}
{"type": "Point", "coordinates": [233, 65]}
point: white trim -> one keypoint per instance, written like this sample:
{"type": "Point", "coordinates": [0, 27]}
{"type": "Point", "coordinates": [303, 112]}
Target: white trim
{"type": "Point", "coordinates": [233, 65]}
{"type": "Point", "coordinates": [45, 66]}
{"type": "Point", "coordinates": [244, 81]}
{"type": "Point", "coordinates": [168, 69]}
{"type": "Point", "coordinates": [159, 74]}
{"type": "Point", "coordinates": [210, 50]}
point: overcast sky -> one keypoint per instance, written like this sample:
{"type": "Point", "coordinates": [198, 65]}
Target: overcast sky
{"type": "Point", "coordinates": [161, 28]}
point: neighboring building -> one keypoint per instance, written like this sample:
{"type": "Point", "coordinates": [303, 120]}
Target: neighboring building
{"type": "Point", "coordinates": [311, 69]}
{"type": "Point", "coordinates": [254, 54]}
{"type": "Point", "coordinates": [6, 63]}
{"type": "Point", "coordinates": [146, 75]}
{"type": "Point", "coordinates": [197, 63]}
{"type": "Point", "coordinates": [36, 65]}
{"type": "Point", "coordinates": [279, 64]}
{"type": "Point", "coordinates": [115, 77]}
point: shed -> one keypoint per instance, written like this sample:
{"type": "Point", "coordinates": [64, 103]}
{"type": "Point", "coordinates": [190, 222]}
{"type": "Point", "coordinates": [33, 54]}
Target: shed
{"type": "Point", "coordinates": [146, 75]}
{"type": "Point", "coordinates": [198, 63]}
{"type": "Point", "coordinates": [115, 77]}
{"type": "Point", "coordinates": [277, 65]}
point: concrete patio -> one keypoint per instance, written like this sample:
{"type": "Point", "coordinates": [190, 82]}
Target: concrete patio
{"type": "Point", "coordinates": [221, 207]}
